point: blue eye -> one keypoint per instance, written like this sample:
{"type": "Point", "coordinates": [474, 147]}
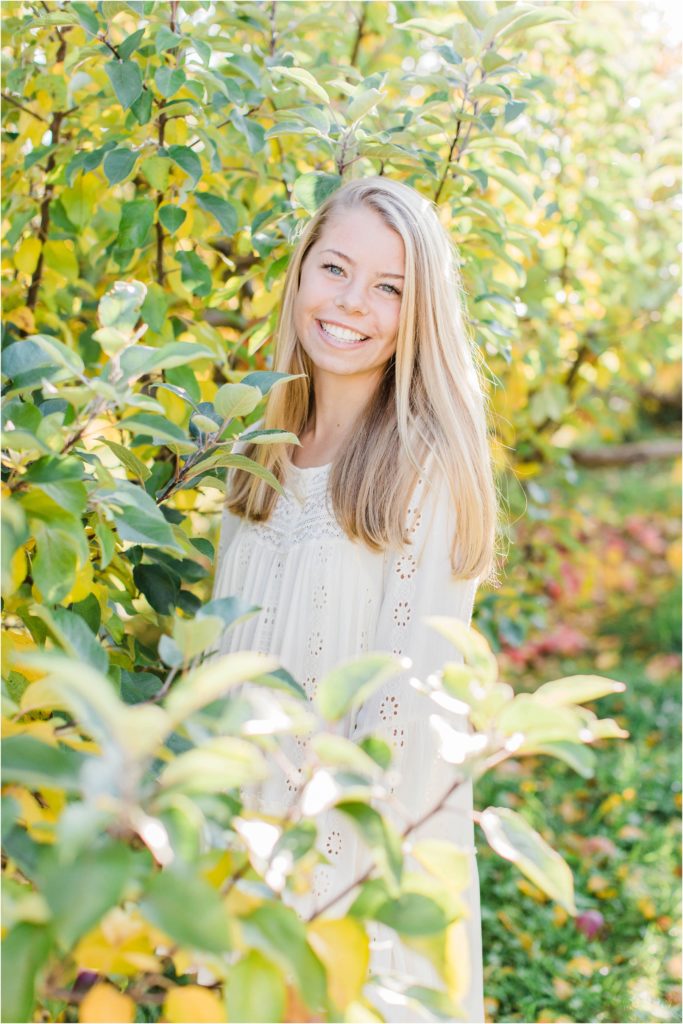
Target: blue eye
{"type": "Point", "coordinates": [335, 266]}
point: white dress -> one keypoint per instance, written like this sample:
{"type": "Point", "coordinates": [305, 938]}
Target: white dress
{"type": "Point", "coordinates": [325, 599]}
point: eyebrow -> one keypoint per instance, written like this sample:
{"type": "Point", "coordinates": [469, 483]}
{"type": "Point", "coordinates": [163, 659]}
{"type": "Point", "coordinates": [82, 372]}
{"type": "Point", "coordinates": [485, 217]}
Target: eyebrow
{"type": "Point", "coordinates": [348, 259]}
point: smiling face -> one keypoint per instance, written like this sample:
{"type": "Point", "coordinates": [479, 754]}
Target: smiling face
{"type": "Point", "coordinates": [347, 309]}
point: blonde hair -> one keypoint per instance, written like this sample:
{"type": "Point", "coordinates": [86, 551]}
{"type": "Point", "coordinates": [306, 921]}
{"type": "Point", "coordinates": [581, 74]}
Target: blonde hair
{"type": "Point", "coordinates": [430, 398]}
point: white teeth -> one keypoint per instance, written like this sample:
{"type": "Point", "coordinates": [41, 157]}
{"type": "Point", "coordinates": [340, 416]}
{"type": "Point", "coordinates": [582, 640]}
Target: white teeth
{"type": "Point", "coordinates": [341, 333]}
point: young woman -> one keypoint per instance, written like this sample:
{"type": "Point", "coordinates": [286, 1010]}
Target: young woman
{"type": "Point", "coordinates": [388, 515]}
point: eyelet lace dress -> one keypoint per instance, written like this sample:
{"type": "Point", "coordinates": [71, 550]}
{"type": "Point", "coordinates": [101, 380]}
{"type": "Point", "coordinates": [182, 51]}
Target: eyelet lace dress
{"type": "Point", "coordinates": [324, 599]}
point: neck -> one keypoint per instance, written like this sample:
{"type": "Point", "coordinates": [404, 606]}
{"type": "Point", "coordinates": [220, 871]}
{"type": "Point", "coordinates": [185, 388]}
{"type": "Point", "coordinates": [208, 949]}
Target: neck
{"type": "Point", "coordinates": [338, 403]}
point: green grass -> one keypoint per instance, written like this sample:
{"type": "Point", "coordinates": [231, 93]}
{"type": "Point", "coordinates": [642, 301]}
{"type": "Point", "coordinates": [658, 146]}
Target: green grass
{"type": "Point", "coordinates": [633, 801]}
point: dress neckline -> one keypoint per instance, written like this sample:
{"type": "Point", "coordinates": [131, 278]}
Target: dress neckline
{"type": "Point", "coordinates": [310, 469]}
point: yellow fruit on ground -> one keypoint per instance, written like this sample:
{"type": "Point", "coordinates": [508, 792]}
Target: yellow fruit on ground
{"type": "Point", "coordinates": [104, 1004]}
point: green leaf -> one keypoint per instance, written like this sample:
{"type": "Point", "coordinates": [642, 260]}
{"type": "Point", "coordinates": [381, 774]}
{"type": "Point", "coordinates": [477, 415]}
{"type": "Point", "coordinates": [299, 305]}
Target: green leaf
{"type": "Point", "coordinates": [512, 838]}
{"type": "Point", "coordinates": [382, 839]}
{"type": "Point", "coordinates": [54, 565]}
{"type": "Point", "coordinates": [106, 539]}
{"type": "Point", "coordinates": [577, 690]}
{"type": "Point", "coordinates": [265, 380]}
{"type": "Point", "coordinates": [577, 755]}
{"type": "Point", "coordinates": [194, 273]}
{"type": "Point", "coordinates": [472, 645]}
{"type": "Point", "coordinates": [28, 762]}
{"type": "Point", "coordinates": [193, 636]}
{"type": "Point", "coordinates": [187, 160]}
{"type": "Point", "coordinates": [428, 26]}
{"type": "Point", "coordinates": [142, 108]}
{"type": "Point", "coordinates": [101, 873]}
{"type": "Point", "coordinates": [476, 12]}
{"type": "Point", "coordinates": [223, 763]}
{"type": "Point", "coordinates": [213, 680]}
{"type": "Point", "coordinates": [338, 752]}
{"type": "Point", "coordinates": [126, 79]}
{"type": "Point", "coordinates": [158, 585]}
{"type": "Point", "coordinates": [255, 989]}
{"type": "Point", "coordinates": [166, 39]}
{"type": "Point", "coordinates": [120, 306]}
{"type": "Point", "coordinates": [73, 635]}
{"type": "Point", "coordinates": [270, 437]}
{"type": "Point", "coordinates": [514, 184]}
{"type": "Point", "coordinates": [352, 682]}
{"type": "Point", "coordinates": [253, 132]}
{"type": "Point", "coordinates": [445, 861]}
{"type": "Point", "coordinates": [221, 457]}
{"type": "Point", "coordinates": [219, 208]}
{"type": "Point", "coordinates": [136, 515]}
{"type": "Point", "coordinates": [56, 353]}
{"type": "Point", "coordinates": [159, 428]}
{"type": "Point", "coordinates": [313, 188]}
{"type": "Point", "coordinates": [278, 932]}
{"type": "Point", "coordinates": [25, 951]}
{"type": "Point", "coordinates": [362, 104]}
{"type": "Point", "coordinates": [136, 222]}
{"type": "Point", "coordinates": [233, 400]}
{"type": "Point", "coordinates": [131, 43]}
{"type": "Point", "coordinates": [87, 17]}
{"type": "Point", "coordinates": [144, 359]}
{"type": "Point", "coordinates": [304, 78]}
{"type": "Point", "coordinates": [129, 459]}
{"type": "Point", "coordinates": [465, 40]}
{"type": "Point", "coordinates": [156, 170]}
{"type": "Point", "coordinates": [171, 217]}
{"type": "Point", "coordinates": [165, 904]}
{"type": "Point", "coordinates": [412, 913]}
{"type": "Point", "coordinates": [70, 495]}
{"type": "Point", "coordinates": [169, 80]}
{"type": "Point", "coordinates": [118, 164]}
{"type": "Point", "coordinates": [535, 16]}
{"type": "Point", "coordinates": [538, 723]}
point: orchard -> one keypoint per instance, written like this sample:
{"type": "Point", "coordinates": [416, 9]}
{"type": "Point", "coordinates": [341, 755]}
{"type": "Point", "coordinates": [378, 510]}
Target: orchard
{"type": "Point", "coordinates": [160, 160]}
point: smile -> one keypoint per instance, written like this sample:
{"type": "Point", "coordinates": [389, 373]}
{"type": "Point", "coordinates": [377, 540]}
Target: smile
{"type": "Point", "coordinates": [339, 337]}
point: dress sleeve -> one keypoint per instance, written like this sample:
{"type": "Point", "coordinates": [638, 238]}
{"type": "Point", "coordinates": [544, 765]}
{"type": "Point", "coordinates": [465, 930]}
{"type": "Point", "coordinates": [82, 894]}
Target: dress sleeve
{"type": "Point", "coordinates": [418, 583]}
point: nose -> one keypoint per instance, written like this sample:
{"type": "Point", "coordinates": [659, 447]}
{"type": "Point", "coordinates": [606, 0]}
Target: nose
{"type": "Point", "coordinates": [352, 298]}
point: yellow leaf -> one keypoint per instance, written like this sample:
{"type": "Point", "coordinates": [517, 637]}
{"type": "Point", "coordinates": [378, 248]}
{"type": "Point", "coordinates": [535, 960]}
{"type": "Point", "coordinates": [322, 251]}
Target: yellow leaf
{"type": "Point", "coordinates": [457, 969]}
{"type": "Point", "coordinates": [208, 389]}
{"type": "Point", "coordinates": [185, 500]}
{"type": "Point", "coordinates": [193, 1004]}
{"type": "Point", "coordinates": [122, 943]}
{"type": "Point", "coordinates": [42, 729]}
{"type": "Point", "coordinates": [13, 643]}
{"type": "Point", "coordinates": [82, 586]}
{"type": "Point", "coordinates": [22, 316]}
{"type": "Point", "coordinates": [177, 411]}
{"type": "Point", "coordinates": [563, 990]}
{"type": "Point", "coordinates": [583, 965]}
{"type": "Point", "coordinates": [344, 948]}
{"type": "Point", "coordinates": [26, 256]}
{"type": "Point", "coordinates": [39, 816]}
{"type": "Point", "coordinates": [560, 915]}
{"type": "Point", "coordinates": [61, 256]}
{"type": "Point", "coordinates": [646, 907]}
{"type": "Point", "coordinates": [104, 1004]}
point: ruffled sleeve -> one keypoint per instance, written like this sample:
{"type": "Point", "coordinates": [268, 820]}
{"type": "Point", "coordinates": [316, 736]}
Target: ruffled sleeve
{"type": "Point", "coordinates": [418, 583]}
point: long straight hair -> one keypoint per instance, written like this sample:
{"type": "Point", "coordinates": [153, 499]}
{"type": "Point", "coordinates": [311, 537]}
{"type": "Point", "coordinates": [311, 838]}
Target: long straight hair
{"type": "Point", "coordinates": [429, 403]}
